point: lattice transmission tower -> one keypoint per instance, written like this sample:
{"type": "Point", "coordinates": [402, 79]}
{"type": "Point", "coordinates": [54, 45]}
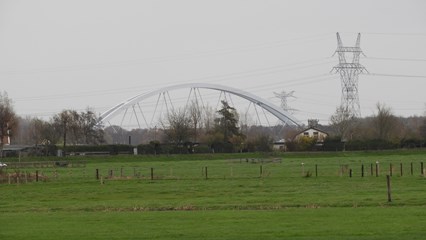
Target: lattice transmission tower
{"type": "Point", "coordinates": [349, 71]}
{"type": "Point", "coordinates": [283, 96]}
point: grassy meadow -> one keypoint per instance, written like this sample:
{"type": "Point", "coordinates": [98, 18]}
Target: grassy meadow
{"type": "Point", "coordinates": [219, 196]}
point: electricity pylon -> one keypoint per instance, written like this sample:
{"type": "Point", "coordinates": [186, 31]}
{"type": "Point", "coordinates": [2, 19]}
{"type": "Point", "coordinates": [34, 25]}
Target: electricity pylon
{"type": "Point", "coordinates": [283, 97]}
{"type": "Point", "coordinates": [349, 72]}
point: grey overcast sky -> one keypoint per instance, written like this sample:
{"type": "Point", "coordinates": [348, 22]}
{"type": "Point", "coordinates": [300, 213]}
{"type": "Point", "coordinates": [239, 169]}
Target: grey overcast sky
{"type": "Point", "coordinates": [57, 55]}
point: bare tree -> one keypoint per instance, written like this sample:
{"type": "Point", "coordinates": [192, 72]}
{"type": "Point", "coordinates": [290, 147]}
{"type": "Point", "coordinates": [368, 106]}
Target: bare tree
{"type": "Point", "coordinates": [422, 130]}
{"type": "Point", "coordinates": [208, 118]}
{"type": "Point", "coordinates": [8, 119]}
{"type": "Point", "coordinates": [36, 130]}
{"type": "Point", "coordinates": [91, 133]}
{"type": "Point", "coordinates": [177, 127]}
{"type": "Point", "coordinates": [63, 123]}
{"type": "Point", "coordinates": [195, 115]}
{"type": "Point", "coordinates": [342, 121]}
{"type": "Point", "coordinates": [384, 122]}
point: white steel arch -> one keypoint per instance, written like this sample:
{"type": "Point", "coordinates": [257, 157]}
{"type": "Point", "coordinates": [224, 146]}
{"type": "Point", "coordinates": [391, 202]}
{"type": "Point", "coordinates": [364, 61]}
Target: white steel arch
{"type": "Point", "coordinates": [268, 106]}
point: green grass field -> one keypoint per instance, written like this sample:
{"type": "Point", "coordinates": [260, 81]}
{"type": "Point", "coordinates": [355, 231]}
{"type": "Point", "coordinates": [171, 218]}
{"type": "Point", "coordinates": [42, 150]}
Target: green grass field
{"type": "Point", "coordinates": [239, 198]}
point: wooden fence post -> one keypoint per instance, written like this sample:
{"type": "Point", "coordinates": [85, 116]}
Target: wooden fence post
{"type": "Point", "coordinates": [400, 168]}
{"type": "Point", "coordinates": [316, 170]}
{"type": "Point", "coordinates": [412, 169]}
{"type": "Point", "coordinates": [152, 173]}
{"type": "Point", "coordinates": [206, 173]}
{"type": "Point", "coordinates": [377, 169]}
{"type": "Point", "coordinates": [97, 174]}
{"type": "Point", "coordinates": [362, 170]}
{"type": "Point", "coordinates": [37, 176]}
{"type": "Point", "coordinates": [388, 183]}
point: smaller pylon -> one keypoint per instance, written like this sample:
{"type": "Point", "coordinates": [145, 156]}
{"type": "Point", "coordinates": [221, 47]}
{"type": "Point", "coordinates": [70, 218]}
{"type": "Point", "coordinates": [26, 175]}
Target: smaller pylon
{"type": "Point", "coordinates": [283, 96]}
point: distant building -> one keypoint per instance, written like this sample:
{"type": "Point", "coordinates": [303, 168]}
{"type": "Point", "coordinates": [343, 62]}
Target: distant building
{"type": "Point", "coordinates": [312, 132]}
{"type": "Point", "coordinates": [17, 150]}
{"type": "Point", "coordinates": [279, 145]}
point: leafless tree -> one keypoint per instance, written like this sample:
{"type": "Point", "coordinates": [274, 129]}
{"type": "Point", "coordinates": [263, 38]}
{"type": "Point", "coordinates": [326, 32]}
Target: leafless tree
{"type": "Point", "coordinates": [91, 133]}
{"type": "Point", "coordinates": [177, 127]}
{"type": "Point", "coordinates": [36, 130]}
{"type": "Point", "coordinates": [8, 119]}
{"type": "Point", "coordinates": [342, 121]}
{"type": "Point", "coordinates": [64, 124]}
{"type": "Point", "coordinates": [208, 117]}
{"type": "Point", "coordinates": [384, 122]}
{"type": "Point", "coordinates": [195, 116]}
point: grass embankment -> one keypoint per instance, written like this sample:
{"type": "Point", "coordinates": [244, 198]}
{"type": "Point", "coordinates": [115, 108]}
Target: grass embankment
{"type": "Point", "coordinates": [240, 198]}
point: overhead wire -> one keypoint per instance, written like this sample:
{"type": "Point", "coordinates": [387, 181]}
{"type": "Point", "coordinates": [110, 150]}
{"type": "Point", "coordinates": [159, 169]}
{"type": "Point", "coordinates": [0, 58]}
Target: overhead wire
{"type": "Point", "coordinates": [395, 75]}
{"type": "Point", "coordinates": [396, 59]}
{"type": "Point", "coordinates": [220, 77]}
{"type": "Point", "coordinates": [178, 57]}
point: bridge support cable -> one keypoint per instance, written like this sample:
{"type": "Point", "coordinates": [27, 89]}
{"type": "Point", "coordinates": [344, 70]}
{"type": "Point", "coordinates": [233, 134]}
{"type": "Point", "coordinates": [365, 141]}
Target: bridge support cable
{"type": "Point", "coordinates": [113, 127]}
{"type": "Point", "coordinates": [230, 100]}
{"type": "Point", "coordinates": [124, 116]}
{"type": "Point", "coordinates": [136, 116]}
{"type": "Point", "coordinates": [266, 117]}
{"type": "Point", "coordinates": [171, 102]}
{"type": "Point", "coordinates": [218, 101]}
{"type": "Point", "coordinates": [165, 102]}
{"type": "Point", "coordinates": [257, 114]}
{"type": "Point", "coordinates": [187, 100]}
{"type": "Point", "coordinates": [201, 99]}
{"type": "Point", "coordinates": [155, 110]}
{"type": "Point", "coordinates": [143, 115]}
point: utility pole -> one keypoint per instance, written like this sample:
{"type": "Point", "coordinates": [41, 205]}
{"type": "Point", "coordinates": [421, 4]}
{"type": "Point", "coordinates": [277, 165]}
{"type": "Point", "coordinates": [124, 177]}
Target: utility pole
{"type": "Point", "coordinates": [349, 71]}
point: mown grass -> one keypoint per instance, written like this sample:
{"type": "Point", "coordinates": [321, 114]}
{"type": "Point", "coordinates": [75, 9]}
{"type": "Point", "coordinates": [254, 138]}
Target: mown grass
{"type": "Point", "coordinates": [239, 199]}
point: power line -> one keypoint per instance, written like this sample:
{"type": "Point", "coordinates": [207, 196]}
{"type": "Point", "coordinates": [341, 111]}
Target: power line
{"type": "Point", "coordinates": [395, 75]}
{"type": "Point", "coordinates": [397, 59]}
{"type": "Point", "coordinates": [178, 57]}
{"type": "Point", "coordinates": [217, 78]}
{"type": "Point", "coordinates": [397, 34]}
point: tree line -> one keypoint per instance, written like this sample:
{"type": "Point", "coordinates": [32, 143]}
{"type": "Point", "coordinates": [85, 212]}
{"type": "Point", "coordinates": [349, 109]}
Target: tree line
{"type": "Point", "coordinates": [66, 127]}
{"type": "Point", "coordinates": [193, 130]}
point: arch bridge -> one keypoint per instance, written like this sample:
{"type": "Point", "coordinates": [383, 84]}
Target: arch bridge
{"type": "Point", "coordinates": [133, 104]}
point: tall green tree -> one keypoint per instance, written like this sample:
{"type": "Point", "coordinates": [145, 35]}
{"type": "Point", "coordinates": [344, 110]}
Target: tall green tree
{"type": "Point", "coordinates": [227, 122]}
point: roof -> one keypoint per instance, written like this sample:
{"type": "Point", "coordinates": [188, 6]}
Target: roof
{"type": "Point", "coordinates": [16, 147]}
{"type": "Point", "coordinates": [309, 128]}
